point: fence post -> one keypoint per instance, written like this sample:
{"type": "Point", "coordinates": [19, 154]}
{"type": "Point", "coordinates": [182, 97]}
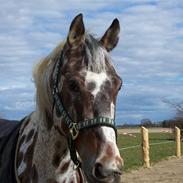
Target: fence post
{"type": "Point", "coordinates": [145, 146]}
{"type": "Point", "coordinates": [178, 142]}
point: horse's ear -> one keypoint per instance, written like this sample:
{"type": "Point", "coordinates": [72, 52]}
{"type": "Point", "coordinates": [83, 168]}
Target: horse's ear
{"type": "Point", "coordinates": [76, 34]}
{"type": "Point", "coordinates": [111, 36]}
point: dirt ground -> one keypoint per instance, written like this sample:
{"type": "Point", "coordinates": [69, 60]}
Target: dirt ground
{"type": "Point", "coordinates": [166, 171]}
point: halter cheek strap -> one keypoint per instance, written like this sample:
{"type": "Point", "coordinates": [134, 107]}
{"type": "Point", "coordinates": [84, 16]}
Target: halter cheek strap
{"type": "Point", "coordinates": [75, 128]}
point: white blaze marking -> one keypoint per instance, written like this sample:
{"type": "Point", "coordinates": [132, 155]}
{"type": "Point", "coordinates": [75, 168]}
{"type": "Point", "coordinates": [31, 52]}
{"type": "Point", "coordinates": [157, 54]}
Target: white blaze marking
{"type": "Point", "coordinates": [112, 110]}
{"type": "Point", "coordinates": [97, 78]}
{"type": "Point", "coordinates": [109, 134]}
{"type": "Point", "coordinates": [110, 138]}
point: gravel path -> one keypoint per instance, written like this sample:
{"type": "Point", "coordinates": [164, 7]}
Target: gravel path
{"type": "Point", "coordinates": [167, 171]}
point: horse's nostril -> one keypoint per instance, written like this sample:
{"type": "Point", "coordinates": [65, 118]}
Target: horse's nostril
{"type": "Point", "coordinates": [101, 173]}
{"type": "Point", "coordinates": [98, 171]}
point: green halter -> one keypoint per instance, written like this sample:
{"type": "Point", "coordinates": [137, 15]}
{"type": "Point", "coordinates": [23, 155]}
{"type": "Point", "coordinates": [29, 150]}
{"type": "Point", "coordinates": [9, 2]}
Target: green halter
{"type": "Point", "coordinates": [75, 128]}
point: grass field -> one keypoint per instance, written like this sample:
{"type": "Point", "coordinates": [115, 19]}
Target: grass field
{"type": "Point", "coordinates": [133, 156]}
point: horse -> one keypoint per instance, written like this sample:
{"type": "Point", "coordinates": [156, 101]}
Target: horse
{"type": "Point", "coordinates": [71, 136]}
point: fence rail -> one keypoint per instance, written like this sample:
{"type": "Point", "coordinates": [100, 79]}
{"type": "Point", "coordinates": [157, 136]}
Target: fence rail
{"type": "Point", "coordinates": [130, 147]}
{"type": "Point", "coordinates": [158, 143]}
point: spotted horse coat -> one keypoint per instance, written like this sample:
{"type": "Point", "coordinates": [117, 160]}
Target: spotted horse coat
{"type": "Point", "coordinates": [21, 158]}
{"type": "Point", "coordinates": [88, 85]}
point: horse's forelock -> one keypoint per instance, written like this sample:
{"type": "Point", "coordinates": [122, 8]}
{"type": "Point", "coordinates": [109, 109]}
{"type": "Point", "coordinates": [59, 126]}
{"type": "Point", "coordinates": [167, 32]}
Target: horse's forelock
{"type": "Point", "coordinates": [96, 55]}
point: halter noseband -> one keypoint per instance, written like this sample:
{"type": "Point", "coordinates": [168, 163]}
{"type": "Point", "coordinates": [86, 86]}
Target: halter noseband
{"type": "Point", "coordinates": [75, 128]}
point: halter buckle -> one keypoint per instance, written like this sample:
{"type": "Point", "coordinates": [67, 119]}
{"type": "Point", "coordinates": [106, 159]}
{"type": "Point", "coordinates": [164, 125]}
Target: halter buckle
{"type": "Point", "coordinates": [74, 131]}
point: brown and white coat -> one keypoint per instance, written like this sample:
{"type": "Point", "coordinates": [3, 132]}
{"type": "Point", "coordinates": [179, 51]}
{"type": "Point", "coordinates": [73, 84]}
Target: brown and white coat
{"type": "Point", "coordinates": [88, 86]}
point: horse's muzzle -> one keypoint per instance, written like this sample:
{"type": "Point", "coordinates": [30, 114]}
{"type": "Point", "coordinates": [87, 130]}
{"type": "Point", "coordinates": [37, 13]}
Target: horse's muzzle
{"type": "Point", "coordinates": [106, 175]}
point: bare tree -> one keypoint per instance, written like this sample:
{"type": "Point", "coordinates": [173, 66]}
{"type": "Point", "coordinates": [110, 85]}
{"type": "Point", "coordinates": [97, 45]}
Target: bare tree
{"type": "Point", "coordinates": [178, 121]}
{"type": "Point", "coordinates": [146, 122]}
{"type": "Point", "coordinates": [177, 105]}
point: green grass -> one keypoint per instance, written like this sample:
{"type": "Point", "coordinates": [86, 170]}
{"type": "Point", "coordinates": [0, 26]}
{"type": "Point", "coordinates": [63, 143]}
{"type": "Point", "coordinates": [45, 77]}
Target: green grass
{"type": "Point", "coordinates": [133, 157]}
{"type": "Point", "coordinates": [161, 151]}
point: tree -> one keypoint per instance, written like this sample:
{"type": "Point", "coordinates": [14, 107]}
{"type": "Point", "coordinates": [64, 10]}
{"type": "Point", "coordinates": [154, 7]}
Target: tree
{"type": "Point", "coordinates": [178, 107]}
{"type": "Point", "coordinates": [146, 122]}
{"type": "Point", "coordinates": [178, 121]}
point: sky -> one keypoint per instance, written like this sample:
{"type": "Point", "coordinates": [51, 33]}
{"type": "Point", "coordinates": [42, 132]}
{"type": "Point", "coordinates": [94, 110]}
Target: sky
{"type": "Point", "coordinates": [149, 55]}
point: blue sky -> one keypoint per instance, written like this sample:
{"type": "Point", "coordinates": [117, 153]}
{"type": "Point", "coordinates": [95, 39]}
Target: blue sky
{"type": "Point", "coordinates": [149, 56]}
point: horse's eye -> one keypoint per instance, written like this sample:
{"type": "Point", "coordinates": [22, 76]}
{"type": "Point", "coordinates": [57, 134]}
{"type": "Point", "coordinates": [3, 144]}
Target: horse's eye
{"type": "Point", "coordinates": [120, 85]}
{"type": "Point", "coordinates": [73, 86]}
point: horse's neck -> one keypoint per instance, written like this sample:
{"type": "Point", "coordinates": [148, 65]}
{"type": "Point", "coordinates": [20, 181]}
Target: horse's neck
{"type": "Point", "coordinates": [43, 155]}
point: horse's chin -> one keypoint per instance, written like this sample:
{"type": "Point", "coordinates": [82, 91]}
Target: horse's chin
{"type": "Point", "coordinates": [88, 176]}
{"type": "Point", "coordinates": [90, 179]}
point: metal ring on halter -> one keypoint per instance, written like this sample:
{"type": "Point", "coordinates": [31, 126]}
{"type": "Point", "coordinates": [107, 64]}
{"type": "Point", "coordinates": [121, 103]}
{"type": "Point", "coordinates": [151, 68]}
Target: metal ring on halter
{"type": "Point", "coordinates": [74, 131]}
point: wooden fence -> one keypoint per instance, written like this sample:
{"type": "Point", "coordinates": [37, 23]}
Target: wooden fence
{"type": "Point", "coordinates": [146, 145]}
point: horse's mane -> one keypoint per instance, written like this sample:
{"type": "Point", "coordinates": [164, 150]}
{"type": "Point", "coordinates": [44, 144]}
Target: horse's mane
{"type": "Point", "coordinates": [96, 56]}
{"type": "Point", "coordinates": [41, 75]}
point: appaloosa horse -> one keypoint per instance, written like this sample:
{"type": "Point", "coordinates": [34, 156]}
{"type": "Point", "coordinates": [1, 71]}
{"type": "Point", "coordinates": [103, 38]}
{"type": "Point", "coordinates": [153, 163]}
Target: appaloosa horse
{"type": "Point", "coordinates": [71, 136]}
